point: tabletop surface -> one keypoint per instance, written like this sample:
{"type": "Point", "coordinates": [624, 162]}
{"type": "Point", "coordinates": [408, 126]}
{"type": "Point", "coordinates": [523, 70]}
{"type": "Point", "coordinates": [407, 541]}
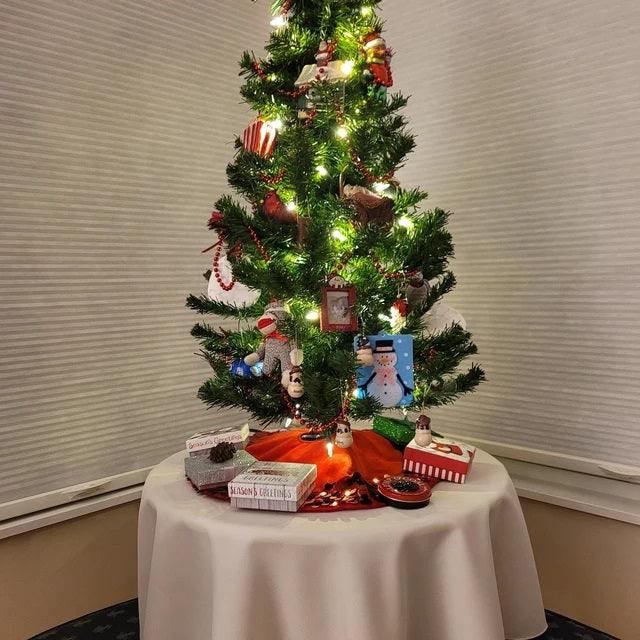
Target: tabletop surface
{"type": "Point", "coordinates": [168, 488]}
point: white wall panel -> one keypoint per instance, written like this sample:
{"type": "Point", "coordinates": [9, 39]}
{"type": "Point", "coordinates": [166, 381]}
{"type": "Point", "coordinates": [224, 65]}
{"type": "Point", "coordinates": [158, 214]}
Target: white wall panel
{"type": "Point", "coordinates": [117, 120]}
{"type": "Point", "coordinates": [528, 124]}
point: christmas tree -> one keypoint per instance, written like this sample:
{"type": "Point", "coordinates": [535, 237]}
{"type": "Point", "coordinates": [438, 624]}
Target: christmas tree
{"type": "Point", "coordinates": [337, 262]}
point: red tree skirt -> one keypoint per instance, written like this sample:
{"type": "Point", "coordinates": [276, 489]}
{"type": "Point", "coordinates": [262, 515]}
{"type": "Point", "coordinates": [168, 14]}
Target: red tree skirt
{"type": "Point", "coordinates": [346, 480]}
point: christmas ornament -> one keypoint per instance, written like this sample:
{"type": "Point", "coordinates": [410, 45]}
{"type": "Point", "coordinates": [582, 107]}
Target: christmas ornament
{"type": "Point", "coordinates": [216, 220]}
{"type": "Point", "coordinates": [378, 57]}
{"type": "Point", "coordinates": [222, 452]}
{"type": "Point", "coordinates": [405, 491]}
{"type": "Point", "coordinates": [423, 431]}
{"type": "Point", "coordinates": [441, 316]}
{"type": "Point", "coordinates": [274, 208]}
{"type": "Point", "coordinates": [337, 311]}
{"type": "Point", "coordinates": [364, 352]}
{"type": "Point", "coordinates": [417, 289]}
{"type": "Point", "coordinates": [390, 378]}
{"type": "Point", "coordinates": [260, 137]}
{"type": "Point", "coordinates": [370, 207]}
{"type": "Point", "coordinates": [344, 437]}
{"type": "Point", "coordinates": [325, 69]}
{"type": "Point", "coordinates": [276, 349]}
{"type": "Point", "coordinates": [399, 310]}
{"type": "Point", "coordinates": [240, 369]}
{"type": "Point", "coordinates": [399, 432]}
{"type": "Point", "coordinates": [223, 287]}
{"type": "Point", "coordinates": [295, 388]}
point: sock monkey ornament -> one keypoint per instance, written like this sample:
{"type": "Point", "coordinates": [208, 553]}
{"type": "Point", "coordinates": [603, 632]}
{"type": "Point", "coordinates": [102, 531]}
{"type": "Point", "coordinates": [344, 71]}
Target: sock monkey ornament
{"type": "Point", "coordinates": [277, 349]}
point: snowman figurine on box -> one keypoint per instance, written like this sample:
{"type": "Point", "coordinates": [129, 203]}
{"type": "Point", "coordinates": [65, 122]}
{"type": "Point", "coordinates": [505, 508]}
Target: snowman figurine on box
{"type": "Point", "coordinates": [423, 431]}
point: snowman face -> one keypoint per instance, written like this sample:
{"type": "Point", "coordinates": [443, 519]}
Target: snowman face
{"type": "Point", "coordinates": [385, 359]}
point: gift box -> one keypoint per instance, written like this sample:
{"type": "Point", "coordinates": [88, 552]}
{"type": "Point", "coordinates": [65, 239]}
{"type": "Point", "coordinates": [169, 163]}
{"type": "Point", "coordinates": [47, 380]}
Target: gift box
{"type": "Point", "coordinates": [443, 458]}
{"type": "Point", "coordinates": [200, 444]}
{"type": "Point", "coordinates": [273, 486]}
{"type": "Point", "coordinates": [399, 432]}
{"type": "Point", "coordinates": [205, 474]}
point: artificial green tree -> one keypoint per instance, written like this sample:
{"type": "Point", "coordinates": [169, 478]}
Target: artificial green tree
{"type": "Point", "coordinates": [331, 133]}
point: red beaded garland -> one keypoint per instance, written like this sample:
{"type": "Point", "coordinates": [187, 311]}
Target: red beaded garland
{"type": "Point", "coordinates": [259, 245]}
{"type": "Point", "coordinates": [216, 269]}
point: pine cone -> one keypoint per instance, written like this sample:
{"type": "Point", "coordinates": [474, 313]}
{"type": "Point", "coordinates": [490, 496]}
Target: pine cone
{"type": "Point", "coordinates": [222, 452]}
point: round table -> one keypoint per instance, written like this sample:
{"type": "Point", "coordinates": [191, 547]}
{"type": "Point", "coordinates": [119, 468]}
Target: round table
{"type": "Point", "coordinates": [460, 568]}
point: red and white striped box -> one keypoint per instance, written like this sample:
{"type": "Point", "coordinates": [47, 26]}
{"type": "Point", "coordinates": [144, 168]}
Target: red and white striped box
{"type": "Point", "coordinates": [260, 137]}
{"type": "Point", "coordinates": [443, 458]}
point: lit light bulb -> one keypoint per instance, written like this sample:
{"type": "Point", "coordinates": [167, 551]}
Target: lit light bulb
{"type": "Point", "coordinates": [338, 235]}
{"type": "Point", "coordinates": [278, 21]}
{"type": "Point", "coordinates": [322, 171]}
{"type": "Point", "coordinates": [272, 77]}
{"type": "Point", "coordinates": [406, 222]}
{"type": "Point", "coordinates": [379, 187]}
{"type": "Point", "coordinates": [291, 206]}
{"type": "Point", "coordinates": [347, 67]}
{"type": "Point", "coordinates": [341, 132]}
{"type": "Point", "coordinates": [287, 423]}
{"type": "Point", "coordinates": [312, 315]}
{"type": "Point", "coordinates": [358, 110]}
{"type": "Point", "coordinates": [365, 11]}
{"type": "Point", "coordinates": [330, 449]}
{"type": "Point", "coordinates": [277, 124]}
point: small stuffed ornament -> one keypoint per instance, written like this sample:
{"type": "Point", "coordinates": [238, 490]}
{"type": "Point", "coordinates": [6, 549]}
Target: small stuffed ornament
{"type": "Point", "coordinates": [378, 57]}
{"type": "Point", "coordinates": [344, 437]}
{"type": "Point", "coordinates": [423, 431]}
{"type": "Point", "coordinates": [370, 207]}
{"type": "Point", "coordinates": [399, 311]}
{"type": "Point", "coordinates": [276, 348]}
{"type": "Point", "coordinates": [417, 289]}
{"type": "Point", "coordinates": [295, 388]}
{"type": "Point", "coordinates": [364, 352]}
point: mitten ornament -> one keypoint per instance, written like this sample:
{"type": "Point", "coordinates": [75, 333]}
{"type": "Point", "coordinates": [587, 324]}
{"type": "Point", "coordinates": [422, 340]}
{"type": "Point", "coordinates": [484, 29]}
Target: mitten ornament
{"type": "Point", "coordinates": [344, 437]}
{"type": "Point", "coordinates": [423, 431]}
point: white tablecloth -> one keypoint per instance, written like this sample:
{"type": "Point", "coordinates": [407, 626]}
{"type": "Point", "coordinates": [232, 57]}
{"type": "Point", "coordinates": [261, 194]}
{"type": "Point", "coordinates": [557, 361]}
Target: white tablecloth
{"type": "Point", "coordinates": [459, 569]}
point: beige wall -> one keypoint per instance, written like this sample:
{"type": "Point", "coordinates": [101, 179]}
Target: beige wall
{"type": "Point", "coordinates": [589, 569]}
{"type": "Point", "coordinates": [58, 573]}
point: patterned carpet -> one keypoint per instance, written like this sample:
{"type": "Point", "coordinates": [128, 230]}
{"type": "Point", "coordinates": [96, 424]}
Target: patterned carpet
{"type": "Point", "coordinates": [121, 623]}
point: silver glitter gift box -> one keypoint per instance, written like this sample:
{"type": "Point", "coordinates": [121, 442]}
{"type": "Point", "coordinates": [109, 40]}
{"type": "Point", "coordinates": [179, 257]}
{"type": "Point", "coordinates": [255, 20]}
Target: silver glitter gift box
{"type": "Point", "coordinates": [205, 474]}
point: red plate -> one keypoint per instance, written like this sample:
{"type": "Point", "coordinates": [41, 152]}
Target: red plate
{"type": "Point", "coordinates": [405, 491]}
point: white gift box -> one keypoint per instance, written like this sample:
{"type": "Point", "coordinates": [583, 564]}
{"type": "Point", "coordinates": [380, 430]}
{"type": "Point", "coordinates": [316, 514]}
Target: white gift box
{"type": "Point", "coordinates": [200, 444]}
{"type": "Point", "coordinates": [273, 486]}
